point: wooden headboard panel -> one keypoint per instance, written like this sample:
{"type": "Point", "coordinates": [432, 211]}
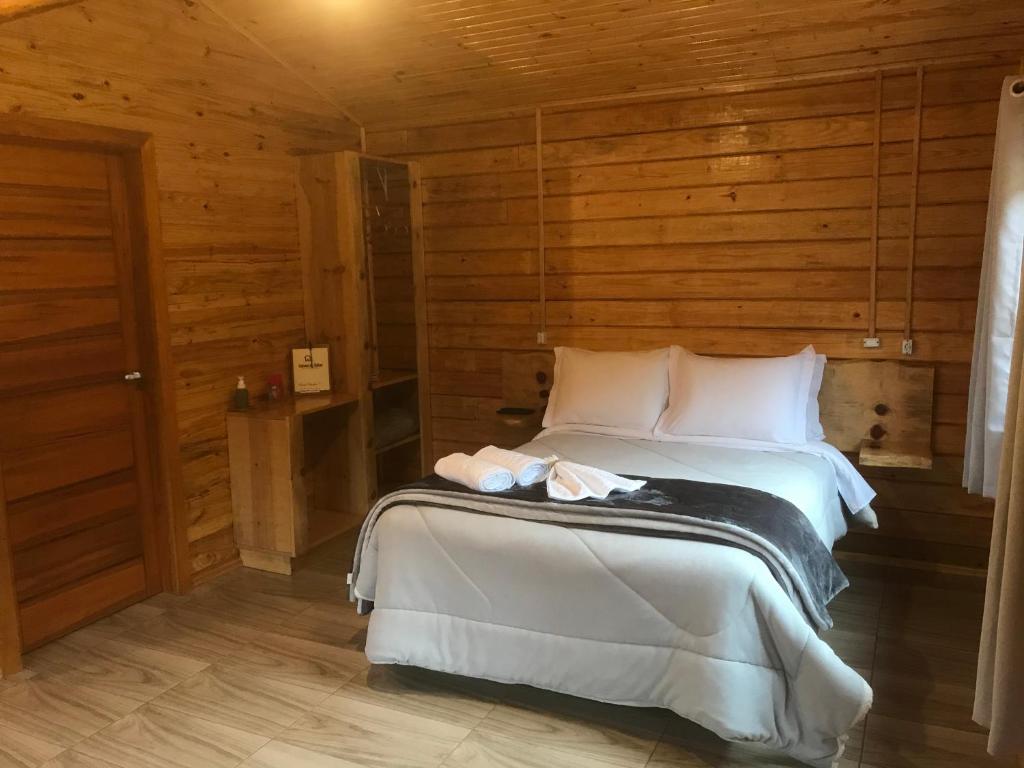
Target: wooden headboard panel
{"type": "Point", "coordinates": [526, 378]}
{"type": "Point", "coordinates": [880, 408]}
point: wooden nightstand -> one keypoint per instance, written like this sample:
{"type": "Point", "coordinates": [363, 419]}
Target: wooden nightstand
{"type": "Point", "coordinates": [292, 465]}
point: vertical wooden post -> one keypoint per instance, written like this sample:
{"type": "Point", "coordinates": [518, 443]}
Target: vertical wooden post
{"type": "Point", "coordinates": [908, 322]}
{"type": "Point", "coordinates": [334, 287]}
{"type": "Point", "coordinates": [422, 324]}
{"type": "Point", "coordinates": [128, 279]}
{"type": "Point", "coordinates": [172, 517]}
{"type": "Point", "coordinates": [355, 322]}
{"type": "Point", "coordinates": [541, 256]}
{"type": "Point", "coordinates": [876, 174]}
{"type": "Point", "coordinates": [10, 629]}
{"type": "Point", "coordinates": [366, 268]}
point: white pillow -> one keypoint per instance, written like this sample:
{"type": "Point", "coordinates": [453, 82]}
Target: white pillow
{"type": "Point", "coordinates": [753, 398]}
{"type": "Point", "coordinates": [614, 393]}
{"type": "Point", "coordinates": [814, 429]}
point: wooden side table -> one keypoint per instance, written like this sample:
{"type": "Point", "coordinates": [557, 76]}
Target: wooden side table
{"type": "Point", "coordinates": [296, 476]}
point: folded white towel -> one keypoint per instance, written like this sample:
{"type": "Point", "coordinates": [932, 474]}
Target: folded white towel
{"type": "Point", "coordinates": [474, 473]}
{"type": "Point", "coordinates": [569, 481]}
{"type": "Point", "coordinates": [526, 469]}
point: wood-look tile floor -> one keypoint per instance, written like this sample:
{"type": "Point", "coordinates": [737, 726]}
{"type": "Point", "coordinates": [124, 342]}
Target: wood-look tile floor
{"type": "Point", "coordinates": [264, 671]}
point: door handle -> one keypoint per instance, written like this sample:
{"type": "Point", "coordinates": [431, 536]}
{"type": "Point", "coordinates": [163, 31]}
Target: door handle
{"type": "Point", "coordinates": [133, 376]}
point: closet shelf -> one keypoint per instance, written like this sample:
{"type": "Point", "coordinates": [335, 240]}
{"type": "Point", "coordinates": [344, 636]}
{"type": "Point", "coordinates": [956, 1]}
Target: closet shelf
{"type": "Point", "coordinates": [398, 443]}
{"type": "Point", "coordinates": [391, 378]}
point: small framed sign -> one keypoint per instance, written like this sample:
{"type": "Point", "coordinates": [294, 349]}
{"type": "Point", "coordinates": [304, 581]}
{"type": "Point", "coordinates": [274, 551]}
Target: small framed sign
{"type": "Point", "coordinates": [310, 370]}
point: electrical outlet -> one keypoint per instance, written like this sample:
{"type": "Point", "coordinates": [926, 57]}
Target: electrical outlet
{"type": "Point", "coordinates": [872, 343]}
{"type": "Point", "coordinates": [907, 348]}
{"type": "Point", "coordinates": [542, 337]}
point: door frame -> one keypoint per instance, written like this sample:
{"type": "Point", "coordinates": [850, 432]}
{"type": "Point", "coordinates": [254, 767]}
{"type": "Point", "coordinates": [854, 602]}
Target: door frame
{"type": "Point", "coordinates": [138, 156]}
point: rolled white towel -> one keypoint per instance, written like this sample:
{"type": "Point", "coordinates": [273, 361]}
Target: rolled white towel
{"type": "Point", "coordinates": [569, 481]}
{"type": "Point", "coordinates": [474, 473]}
{"type": "Point", "coordinates": [526, 469]}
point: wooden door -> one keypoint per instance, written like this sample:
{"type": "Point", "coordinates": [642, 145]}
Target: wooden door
{"type": "Point", "coordinates": [74, 456]}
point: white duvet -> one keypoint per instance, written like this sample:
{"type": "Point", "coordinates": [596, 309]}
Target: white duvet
{"type": "Point", "coordinates": [699, 628]}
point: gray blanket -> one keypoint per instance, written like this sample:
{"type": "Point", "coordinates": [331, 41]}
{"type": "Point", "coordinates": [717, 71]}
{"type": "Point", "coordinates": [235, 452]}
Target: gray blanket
{"type": "Point", "coordinates": [768, 527]}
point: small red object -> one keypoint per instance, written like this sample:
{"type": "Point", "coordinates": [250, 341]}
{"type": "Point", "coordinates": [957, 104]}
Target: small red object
{"type": "Point", "coordinates": [275, 386]}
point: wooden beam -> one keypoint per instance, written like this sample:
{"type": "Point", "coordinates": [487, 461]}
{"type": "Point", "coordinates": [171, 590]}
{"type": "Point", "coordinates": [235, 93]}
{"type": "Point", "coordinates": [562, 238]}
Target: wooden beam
{"type": "Point", "coordinates": [16, 9]}
{"type": "Point", "coordinates": [29, 129]}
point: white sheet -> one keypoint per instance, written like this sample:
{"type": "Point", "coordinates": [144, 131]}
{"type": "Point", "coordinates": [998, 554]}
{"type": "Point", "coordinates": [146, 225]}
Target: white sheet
{"type": "Point", "coordinates": [699, 628]}
{"type": "Point", "coordinates": [853, 489]}
{"type": "Point", "coordinates": [800, 477]}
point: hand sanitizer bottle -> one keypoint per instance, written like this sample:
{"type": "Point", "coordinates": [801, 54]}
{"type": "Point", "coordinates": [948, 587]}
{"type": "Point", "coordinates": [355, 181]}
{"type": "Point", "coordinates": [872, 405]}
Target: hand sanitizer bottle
{"type": "Point", "coordinates": [241, 395]}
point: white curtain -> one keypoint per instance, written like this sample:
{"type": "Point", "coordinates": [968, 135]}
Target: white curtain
{"type": "Point", "coordinates": [999, 692]}
{"type": "Point", "coordinates": [997, 299]}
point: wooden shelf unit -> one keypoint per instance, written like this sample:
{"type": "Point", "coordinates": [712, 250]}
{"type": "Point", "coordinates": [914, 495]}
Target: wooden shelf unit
{"type": "Point", "coordinates": [307, 469]}
{"type": "Point", "coordinates": [362, 252]}
{"type": "Point", "coordinates": [397, 443]}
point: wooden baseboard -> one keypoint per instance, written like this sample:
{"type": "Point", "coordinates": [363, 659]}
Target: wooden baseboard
{"type": "Point", "coordinates": [10, 661]}
{"type": "Point", "coordinates": [917, 565]}
{"type": "Point", "coordinates": [913, 571]}
{"type": "Point", "coordinates": [58, 613]}
{"type": "Point", "coordinates": [261, 560]}
{"type": "Point", "coordinates": [213, 572]}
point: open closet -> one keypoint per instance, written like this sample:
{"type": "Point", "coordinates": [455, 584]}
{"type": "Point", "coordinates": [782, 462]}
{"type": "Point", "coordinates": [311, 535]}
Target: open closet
{"type": "Point", "coordinates": [307, 469]}
{"type": "Point", "coordinates": [362, 248]}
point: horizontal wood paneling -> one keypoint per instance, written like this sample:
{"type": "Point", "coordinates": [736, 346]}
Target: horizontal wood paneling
{"type": "Point", "coordinates": [48, 517]}
{"type": "Point", "coordinates": [32, 265]}
{"type": "Point", "coordinates": [226, 120]}
{"type": "Point", "coordinates": [72, 460]}
{"type": "Point", "coordinates": [731, 224]}
{"type": "Point", "coordinates": [51, 615]}
{"type": "Point", "coordinates": [63, 562]}
{"type": "Point", "coordinates": [96, 358]}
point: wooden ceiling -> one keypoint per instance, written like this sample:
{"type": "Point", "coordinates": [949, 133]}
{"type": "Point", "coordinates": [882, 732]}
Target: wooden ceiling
{"type": "Point", "coordinates": [407, 61]}
{"type": "Point", "coordinates": [397, 62]}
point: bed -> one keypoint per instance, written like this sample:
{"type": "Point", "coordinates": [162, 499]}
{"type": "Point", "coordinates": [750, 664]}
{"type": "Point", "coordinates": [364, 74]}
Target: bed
{"type": "Point", "coordinates": [702, 629]}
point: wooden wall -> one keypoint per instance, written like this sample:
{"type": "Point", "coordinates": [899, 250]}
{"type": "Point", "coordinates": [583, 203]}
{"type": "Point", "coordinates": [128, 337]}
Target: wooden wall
{"type": "Point", "coordinates": [734, 224]}
{"type": "Point", "coordinates": [226, 119]}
